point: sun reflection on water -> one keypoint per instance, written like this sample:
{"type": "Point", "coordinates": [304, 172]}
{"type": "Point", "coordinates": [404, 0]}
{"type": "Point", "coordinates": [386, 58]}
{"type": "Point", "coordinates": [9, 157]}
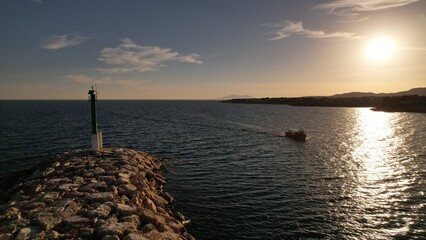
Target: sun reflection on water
{"type": "Point", "coordinates": [380, 181]}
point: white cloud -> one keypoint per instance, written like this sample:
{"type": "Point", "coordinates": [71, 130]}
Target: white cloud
{"type": "Point", "coordinates": [352, 8]}
{"type": "Point", "coordinates": [130, 57]}
{"type": "Point", "coordinates": [62, 41]}
{"type": "Point", "coordinates": [288, 28]}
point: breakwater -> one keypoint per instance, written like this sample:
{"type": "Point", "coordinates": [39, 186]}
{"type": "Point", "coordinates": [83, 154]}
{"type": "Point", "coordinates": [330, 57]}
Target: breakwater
{"type": "Point", "coordinates": [116, 193]}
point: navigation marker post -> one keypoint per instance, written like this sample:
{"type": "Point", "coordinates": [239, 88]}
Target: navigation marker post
{"type": "Point", "coordinates": [96, 134]}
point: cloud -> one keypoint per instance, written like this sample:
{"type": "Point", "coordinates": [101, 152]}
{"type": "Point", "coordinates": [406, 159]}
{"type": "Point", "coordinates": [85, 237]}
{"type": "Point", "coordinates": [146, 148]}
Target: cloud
{"type": "Point", "coordinates": [130, 57]}
{"type": "Point", "coordinates": [62, 41]}
{"type": "Point", "coordinates": [352, 8]}
{"type": "Point", "coordinates": [421, 50]}
{"type": "Point", "coordinates": [84, 79]}
{"type": "Point", "coordinates": [288, 28]}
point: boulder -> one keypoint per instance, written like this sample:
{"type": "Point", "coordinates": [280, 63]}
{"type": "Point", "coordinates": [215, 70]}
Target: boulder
{"type": "Point", "coordinates": [136, 236]}
{"type": "Point", "coordinates": [71, 209]}
{"type": "Point", "coordinates": [149, 204]}
{"type": "Point", "coordinates": [118, 229]}
{"type": "Point", "coordinates": [154, 234]}
{"type": "Point", "coordinates": [6, 236]}
{"type": "Point", "coordinates": [133, 219]}
{"type": "Point", "coordinates": [47, 220]}
{"type": "Point", "coordinates": [101, 212]}
{"type": "Point", "coordinates": [110, 237]}
{"type": "Point", "coordinates": [67, 187]}
{"type": "Point", "coordinates": [99, 197]}
{"type": "Point", "coordinates": [76, 221]}
{"type": "Point", "coordinates": [147, 216]}
{"type": "Point", "coordinates": [28, 233]}
{"type": "Point", "coordinates": [124, 210]}
{"type": "Point", "coordinates": [107, 179]}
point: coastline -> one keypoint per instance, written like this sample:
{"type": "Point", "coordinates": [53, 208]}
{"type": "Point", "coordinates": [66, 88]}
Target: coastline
{"type": "Point", "coordinates": [116, 193]}
{"type": "Point", "coordinates": [408, 103]}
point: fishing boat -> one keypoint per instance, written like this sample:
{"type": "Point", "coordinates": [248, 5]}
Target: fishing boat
{"type": "Point", "coordinates": [299, 135]}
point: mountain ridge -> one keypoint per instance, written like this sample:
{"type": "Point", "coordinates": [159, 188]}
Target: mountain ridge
{"type": "Point", "coordinates": [420, 91]}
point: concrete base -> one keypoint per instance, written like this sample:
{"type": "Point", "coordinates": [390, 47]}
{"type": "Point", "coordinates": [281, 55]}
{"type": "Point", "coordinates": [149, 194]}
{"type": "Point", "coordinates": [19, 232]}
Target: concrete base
{"type": "Point", "coordinates": [97, 142]}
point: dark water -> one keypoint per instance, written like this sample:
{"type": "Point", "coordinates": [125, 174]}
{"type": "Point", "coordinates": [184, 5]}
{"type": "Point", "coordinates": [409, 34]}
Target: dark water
{"type": "Point", "coordinates": [360, 174]}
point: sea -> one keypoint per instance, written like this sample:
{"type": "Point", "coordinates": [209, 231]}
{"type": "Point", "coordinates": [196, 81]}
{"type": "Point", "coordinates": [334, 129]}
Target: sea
{"type": "Point", "coordinates": [360, 174]}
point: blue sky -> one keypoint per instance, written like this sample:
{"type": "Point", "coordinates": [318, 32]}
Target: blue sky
{"type": "Point", "coordinates": [205, 49]}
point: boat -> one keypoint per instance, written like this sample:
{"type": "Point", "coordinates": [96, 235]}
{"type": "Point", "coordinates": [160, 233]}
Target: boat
{"type": "Point", "coordinates": [296, 134]}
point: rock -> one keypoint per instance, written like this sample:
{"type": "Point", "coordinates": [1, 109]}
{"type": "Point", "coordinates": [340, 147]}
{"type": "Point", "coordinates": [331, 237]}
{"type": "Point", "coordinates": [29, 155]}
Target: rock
{"type": "Point", "coordinates": [97, 186]}
{"type": "Point", "coordinates": [129, 189]}
{"type": "Point", "coordinates": [67, 187]}
{"type": "Point", "coordinates": [98, 171]}
{"type": "Point", "coordinates": [169, 198]}
{"type": "Point", "coordinates": [48, 171]}
{"type": "Point", "coordinates": [87, 190]}
{"type": "Point", "coordinates": [72, 208]}
{"type": "Point", "coordinates": [38, 188]}
{"type": "Point", "coordinates": [12, 213]}
{"type": "Point", "coordinates": [58, 181]}
{"type": "Point", "coordinates": [148, 227]}
{"type": "Point", "coordinates": [188, 236]}
{"type": "Point", "coordinates": [27, 233]}
{"type": "Point", "coordinates": [118, 228]}
{"type": "Point", "coordinates": [132, 219]}
{"type": "Point", "coordinates": [109, 194]}
{"type": "Point", "coordinates": [147, 216]}
{"type": "Point", "coordinates": [78, 180]}
{"type": "Point", "coordinates": [8, 228]}
{"type": "Point", "coordinates": [136, 236]}
{"type": "Point", "coordinates": [47, 220]}
{"type": "Point", "coordinates": [107, 179]}
{"type": "Point", "coordinates": [50, 196]}
{"type": "Point", "coordinates": [124, 210]}
{"type": "Point", "coordinates": [63, 202]}
{"type": "Point", "coordinates": [76, 221]}
{"type": "Point", "coordinates": [52, 235]}
{"type": "Point", "coordinates": [110, 237]}
{"type": "Point", "coordinates": [101, 212]}
{"type": "Point", "coordinates": [121, 181]}
{"type": "Point", "coordinates": [159, 201]}
{"type": "Point", "coordinates": [87, 233]}
{"type": "Point", "coordinates": [161, 210]}
{"type": "Point", "coordinates": [135, 201]}
{"type": "Point", "coordinates": [167, 235]}
{"type": "Point", "coordinates": [176, 227]}
{"type": "Point", "coordinates": [99, 197]}
{"type": "Point", "coordinates": [149, 204]}
{"type": "Point", "coordinates": [154, 234]}
{"type": "Point", "coordinates": [6, 236]}
{"type": "Point", "coordinates": [180, 216]}
{"type": "Point", "coordinates": [35, 205]}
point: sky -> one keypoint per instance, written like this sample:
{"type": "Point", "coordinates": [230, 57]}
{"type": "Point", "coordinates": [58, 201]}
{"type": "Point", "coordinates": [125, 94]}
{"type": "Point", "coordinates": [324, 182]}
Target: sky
{"type": "Point", "coordinates": [207, 49]}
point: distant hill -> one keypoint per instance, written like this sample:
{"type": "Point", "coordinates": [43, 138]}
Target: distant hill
{"type": "Point", "coordinates": [414, 91]}
{"type": "Point", "coordinates": [234, 96]}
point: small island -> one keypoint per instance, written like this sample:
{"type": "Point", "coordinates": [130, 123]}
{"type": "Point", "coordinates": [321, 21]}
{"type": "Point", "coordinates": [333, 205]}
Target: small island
{"type": "Point", "coordinates": [115, 193]}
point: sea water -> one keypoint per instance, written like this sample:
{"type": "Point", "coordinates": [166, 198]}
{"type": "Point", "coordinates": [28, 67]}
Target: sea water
{"type": "Point", "coordinates": [360, 174]}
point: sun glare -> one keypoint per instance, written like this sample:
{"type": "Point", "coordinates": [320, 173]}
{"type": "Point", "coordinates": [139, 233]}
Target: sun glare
{"type": "Point", "coordinates": [381, 49]}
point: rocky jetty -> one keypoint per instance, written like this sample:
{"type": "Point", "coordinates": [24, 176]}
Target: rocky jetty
{"type": "Point", "coordinates": [116, 193]}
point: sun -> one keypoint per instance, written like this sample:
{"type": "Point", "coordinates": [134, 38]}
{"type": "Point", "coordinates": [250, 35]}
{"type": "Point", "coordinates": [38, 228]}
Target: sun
{"type": "Point", "coordinates": [381, 49]}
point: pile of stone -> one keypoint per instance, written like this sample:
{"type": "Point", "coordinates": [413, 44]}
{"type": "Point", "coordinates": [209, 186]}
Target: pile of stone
{"type": "Point", "coordinates": [116, 193]}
